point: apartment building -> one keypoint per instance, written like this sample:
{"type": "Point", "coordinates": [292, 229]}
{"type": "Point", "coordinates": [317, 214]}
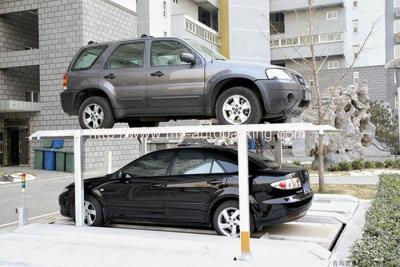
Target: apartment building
{"type": "Point", "coordinates": [219, 24]}
{"type": "Point", "coordinates": [339, 29]}
{"type": "Point", "coordinates": [38, 38]}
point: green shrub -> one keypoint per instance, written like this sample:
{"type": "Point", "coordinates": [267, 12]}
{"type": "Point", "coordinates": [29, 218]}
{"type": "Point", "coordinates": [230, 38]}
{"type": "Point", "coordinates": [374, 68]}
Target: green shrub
{"type": "Point", "coordinates": [396, 164]}
{"type": "Point", "coordinates": [357, 164]}
{"type": "Point", "coordinates": [380, 242]}
{"type": "Point", "coordinates": [344, 166]}
{"type": "Point", "coordinates": [296, 163]}
{"type": "Point", "coordinates": [379, 164]}
{"type": "Point", "coordinates": [369, 165]}
{"type": "Point", "coordinates": [389, 163]}
{"type": "Point", "coordinates": [333, 168]}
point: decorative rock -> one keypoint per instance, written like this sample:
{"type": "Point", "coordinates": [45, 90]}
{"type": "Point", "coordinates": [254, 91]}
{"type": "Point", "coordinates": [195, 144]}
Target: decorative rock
{"type": "Point", "coordinates": [347, 110]}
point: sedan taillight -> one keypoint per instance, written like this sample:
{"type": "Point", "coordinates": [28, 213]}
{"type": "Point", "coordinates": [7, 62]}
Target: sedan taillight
{"type": "Point", "coordinates": [287, 184]}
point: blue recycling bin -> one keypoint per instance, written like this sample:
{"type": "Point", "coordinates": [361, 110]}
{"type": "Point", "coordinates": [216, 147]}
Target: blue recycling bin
{"type": "Point", "coordinates": [49, 160]}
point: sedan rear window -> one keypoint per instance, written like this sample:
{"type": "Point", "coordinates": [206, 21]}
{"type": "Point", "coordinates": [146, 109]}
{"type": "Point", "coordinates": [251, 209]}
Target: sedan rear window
{"type": "Point", "coordinates": [88, 57]}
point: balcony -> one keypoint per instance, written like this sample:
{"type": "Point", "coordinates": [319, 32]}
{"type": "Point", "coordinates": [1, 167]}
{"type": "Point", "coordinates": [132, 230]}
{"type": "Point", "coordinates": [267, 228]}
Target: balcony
{"type": "Point", "coordinates": [184, 26]}
{"type": "Point", "coordinates": [326, 44]}
{"type": "Point", "coordinates": [12, 59]}
{"type": "Point", "coordinates": [214, 3]}
{"type": "Point", "coordinates": [290, 5]}
{"type": "Point", "coordinates": [18, 106]}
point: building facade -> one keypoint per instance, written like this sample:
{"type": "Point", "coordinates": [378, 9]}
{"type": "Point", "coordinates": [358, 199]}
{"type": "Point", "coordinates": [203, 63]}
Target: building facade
{"type": "Point", "coordinates": [340, 28]}
{"type": "Point", "coordinates": [38, 40]}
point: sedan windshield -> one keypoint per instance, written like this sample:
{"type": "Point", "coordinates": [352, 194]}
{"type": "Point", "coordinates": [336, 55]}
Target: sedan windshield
{"type": "Point", "coordinates": [207, 52]}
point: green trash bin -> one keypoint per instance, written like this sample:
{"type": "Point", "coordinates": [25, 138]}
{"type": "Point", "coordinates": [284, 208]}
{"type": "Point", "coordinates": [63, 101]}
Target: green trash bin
{"type": "Point", "coordinates": [69, 162]}
{"type": "Point", "coordinates": [39, 159]}
{"type": "Point", "coordinates": [60, 161]}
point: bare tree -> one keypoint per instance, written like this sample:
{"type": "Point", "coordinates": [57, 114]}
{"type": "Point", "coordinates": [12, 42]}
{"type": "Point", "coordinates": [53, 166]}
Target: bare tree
{"type": "Point", "coordinates": [313, 65]}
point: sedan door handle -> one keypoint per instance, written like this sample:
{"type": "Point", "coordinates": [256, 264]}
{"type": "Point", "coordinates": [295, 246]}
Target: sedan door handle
{"type": "Point", "coordinates": [157, 186]}
{"type": "Point", "coordinates": [109, 76]}
{"type": "Point", "coordinates": [214, 182]}
{"type": "Point", "coordinates": [157, 74]}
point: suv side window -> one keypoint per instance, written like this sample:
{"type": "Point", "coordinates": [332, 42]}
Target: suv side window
{"type": "Point", "coordinates": [88, 57]}
{"type": "Point", "coordinates": [152, 165]}
{"type": "Point", "coordinates": [127, 56]}
{"type": "Point", "coordinates": [167, 53]}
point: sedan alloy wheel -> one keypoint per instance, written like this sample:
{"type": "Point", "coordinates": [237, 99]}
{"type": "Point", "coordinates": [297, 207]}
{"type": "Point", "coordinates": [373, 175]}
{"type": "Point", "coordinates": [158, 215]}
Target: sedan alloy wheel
{"type": "Point", "coordinates": [90, 213]}
{"type": "Point", "coordinates": [229, 221]}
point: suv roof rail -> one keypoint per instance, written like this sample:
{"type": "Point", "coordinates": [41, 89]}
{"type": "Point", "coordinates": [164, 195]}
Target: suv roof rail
{"type": "Point", "coordinates": [146, 36]}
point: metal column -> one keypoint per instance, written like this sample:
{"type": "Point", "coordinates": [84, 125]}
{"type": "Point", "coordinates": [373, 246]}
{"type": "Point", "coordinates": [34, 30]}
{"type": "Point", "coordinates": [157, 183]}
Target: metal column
{"type": "Point", "coordinates": [244, 195]}
{"type": "Point", "coordinates": [79, 191]}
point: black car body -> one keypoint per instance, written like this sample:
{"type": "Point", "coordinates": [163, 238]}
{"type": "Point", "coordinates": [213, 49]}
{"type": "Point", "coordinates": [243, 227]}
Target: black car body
{"type": "Point", "coordinates": [158, 79]}
{"type": "Point", "coordinates": [186, 186]}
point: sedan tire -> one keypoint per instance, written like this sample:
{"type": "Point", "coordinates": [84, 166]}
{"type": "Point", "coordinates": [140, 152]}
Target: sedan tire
{"type": "Point", "coordinates": [226, 219]}
{"type": "Point", "coordinates": [92, 210]}
{"type": "Point", "coordinates": [238, 105]}
{"type": "Point", "coordinates": [95, 113]}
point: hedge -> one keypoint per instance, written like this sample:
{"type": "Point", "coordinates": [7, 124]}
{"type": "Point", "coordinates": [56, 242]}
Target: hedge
{"type": "Point", "coordinates": [380, 242]}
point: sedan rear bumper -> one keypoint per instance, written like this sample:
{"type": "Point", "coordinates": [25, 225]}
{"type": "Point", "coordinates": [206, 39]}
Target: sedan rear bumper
{"type": "Point", "coordinates": [282, 210]}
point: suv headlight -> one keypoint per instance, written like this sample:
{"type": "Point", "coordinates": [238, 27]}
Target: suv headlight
{"type": "Point", "coordinates": [278, 74]}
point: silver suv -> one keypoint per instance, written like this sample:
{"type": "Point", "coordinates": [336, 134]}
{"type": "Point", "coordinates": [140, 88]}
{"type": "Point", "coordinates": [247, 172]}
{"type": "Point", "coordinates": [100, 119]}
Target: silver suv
{"type": "Point", "coordinates": [148, 80]}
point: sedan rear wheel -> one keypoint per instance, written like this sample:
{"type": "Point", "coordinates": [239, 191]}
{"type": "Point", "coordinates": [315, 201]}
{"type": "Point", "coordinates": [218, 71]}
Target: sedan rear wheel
{"type": "Point", "coordinates": [226, 219]}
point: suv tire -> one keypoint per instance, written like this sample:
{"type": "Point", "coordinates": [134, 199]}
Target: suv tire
{"type": "Point", "coordinates": [230, 207]}
{"type": "Point", "coordinates": [238, 105]}
{"type": "Point", "coordinates": [96, 112]}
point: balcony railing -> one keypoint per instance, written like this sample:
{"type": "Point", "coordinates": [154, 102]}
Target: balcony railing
{"type": "Point", "coordinates": [306, 40]}
{"type": "Point", "coordinates": [202, 31]}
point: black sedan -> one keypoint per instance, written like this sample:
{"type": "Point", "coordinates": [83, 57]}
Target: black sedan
{"type": "Point", "coordinates": [193, 186]}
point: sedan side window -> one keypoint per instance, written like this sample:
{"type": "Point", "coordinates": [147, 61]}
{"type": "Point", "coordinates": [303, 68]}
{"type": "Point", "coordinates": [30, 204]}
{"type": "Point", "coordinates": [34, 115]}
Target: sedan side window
{"type": "Point", "coordinates": [152, 165]}
{"type": "Point", "coordinates": [167, 53]}
{"type": "Point", "coordinates": [127, 56]}
{"type": "Point", "coordinates": [192, 162]}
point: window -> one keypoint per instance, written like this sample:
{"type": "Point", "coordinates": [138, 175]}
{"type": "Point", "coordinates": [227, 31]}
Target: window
{"type": "Point", "coordinates": [193, 162]}
{"type": "Point", "coordinates": [154, 164]}
{"type": "Point", "coordinates": [355, 25]}
{"type": "Point", "coordinates": [175, 1]}
{"type": "Point", "coordinates": [88, 57]}
{"type": "Point", "coordinates": [127, 56]}
{"type": "Point", "coordinates": [331, 15]}
{"type": "Point", "coordinates": [165, 8]}
{"type": "Point", "coordinates": [167, 53]}
{"type": "Point", "coordinates": [334, 64]}
{"type": "Point", "coordinates": [355, 3]}
{"type": "Point", "coordinates": [229, 166]}
{"type": "Point", "coordinates": [356, 77]}
{"type": "Point", "coordinates": [311, 80]}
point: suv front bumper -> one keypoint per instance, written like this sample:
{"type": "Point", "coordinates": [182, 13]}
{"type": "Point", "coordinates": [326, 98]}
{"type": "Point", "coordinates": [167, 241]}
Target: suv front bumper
{"type": "Point", "coordinates": [284, 98]}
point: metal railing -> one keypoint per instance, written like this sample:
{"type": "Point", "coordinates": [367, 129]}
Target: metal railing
{"type": "Point", "coordinates": [322, 38]}
{"type": "Point", "coordinates": [202, 31]}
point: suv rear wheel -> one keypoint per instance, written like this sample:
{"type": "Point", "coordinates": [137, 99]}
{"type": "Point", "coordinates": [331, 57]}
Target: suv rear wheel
{"type": "Point", "coordinates": [96, 112]}
{"type": "Point", "coordinates": [238, 105]}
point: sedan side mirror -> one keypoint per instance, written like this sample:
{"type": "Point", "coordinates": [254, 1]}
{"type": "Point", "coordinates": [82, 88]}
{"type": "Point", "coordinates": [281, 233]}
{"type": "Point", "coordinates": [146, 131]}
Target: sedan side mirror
{"type": "Point", "coordinates": [188, 58]}
{"type": "Point", "coordinates": [121, 175]}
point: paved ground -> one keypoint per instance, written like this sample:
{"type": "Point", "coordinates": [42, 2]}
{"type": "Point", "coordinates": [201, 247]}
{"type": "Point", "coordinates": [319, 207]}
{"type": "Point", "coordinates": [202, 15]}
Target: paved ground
{"type": "Point", "coordinates": [300, 243]}
{"type": "Point", "coordinates": [348, 179]}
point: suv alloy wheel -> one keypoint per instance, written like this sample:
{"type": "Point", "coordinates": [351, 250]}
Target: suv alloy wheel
{"type": "Point", "coordinates": [95, 113]}
{"type": "Point", "coordinates": [238, 105]}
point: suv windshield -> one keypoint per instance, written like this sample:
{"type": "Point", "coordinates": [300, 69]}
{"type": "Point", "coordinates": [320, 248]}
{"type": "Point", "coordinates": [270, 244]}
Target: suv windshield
{"type": "Point", "coordinates": [205, 51]}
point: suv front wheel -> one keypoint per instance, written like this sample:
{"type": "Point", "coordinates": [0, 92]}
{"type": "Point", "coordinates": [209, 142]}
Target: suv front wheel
{"type": "Point", "coordinates": [238, 105]}
{"type": "Point", "coordinates": [96, 112]}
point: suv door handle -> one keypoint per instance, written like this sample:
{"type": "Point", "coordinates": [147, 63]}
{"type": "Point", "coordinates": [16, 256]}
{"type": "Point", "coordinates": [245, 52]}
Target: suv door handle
{"type": "Point", "coordinates": [157, 74]}
{"type": "Point", "coordinates": [109, 76]}
{"type": "Point", "coordinates": [157, 186]}
{"type": "Point", "coordinates": [214, 182]}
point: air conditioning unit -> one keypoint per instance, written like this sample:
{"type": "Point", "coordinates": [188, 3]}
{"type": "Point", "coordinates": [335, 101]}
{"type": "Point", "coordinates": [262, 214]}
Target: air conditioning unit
{"type": "Point", "coordinates": [398, 13]}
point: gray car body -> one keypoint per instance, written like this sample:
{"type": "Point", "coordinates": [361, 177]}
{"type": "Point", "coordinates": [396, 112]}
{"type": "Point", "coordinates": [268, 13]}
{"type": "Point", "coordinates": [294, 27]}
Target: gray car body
{"type": "Point", "coordinates": [184, 91]}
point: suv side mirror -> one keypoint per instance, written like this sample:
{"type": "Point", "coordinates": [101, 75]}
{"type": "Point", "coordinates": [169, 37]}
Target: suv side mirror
{"type": "Point", "coordinates": [188, 58]}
